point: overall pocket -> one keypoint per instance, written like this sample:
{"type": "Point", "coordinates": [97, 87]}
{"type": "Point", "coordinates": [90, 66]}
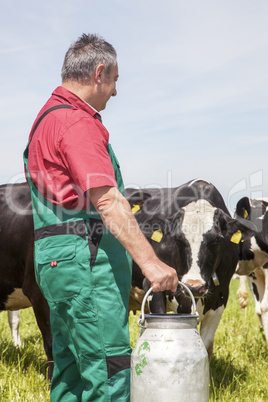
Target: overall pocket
{"type": "Point", "coordinates": [58, 271]}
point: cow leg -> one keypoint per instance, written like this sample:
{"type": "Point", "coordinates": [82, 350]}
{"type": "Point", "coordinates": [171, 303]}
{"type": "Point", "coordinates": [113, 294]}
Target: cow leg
{"type": "Point", "coordinates": [42, 315]}
{"type": "Point", "coordinates": [14, 322]}
{"type": "Point", "coordinates": [264, 305]}
{"type": "Point", "coordinates": [208, 328]}
{"type": "Point", "coordinates": [242, 292]}
{"type": "Point", "coordinates": [264, 321]}
{"type": "Point", "coordinates": [258, 286]}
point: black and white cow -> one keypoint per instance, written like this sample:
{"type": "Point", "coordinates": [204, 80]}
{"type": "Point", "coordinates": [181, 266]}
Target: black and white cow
{"type": "Point", "coordinates": [18, 288]}
{"type": "Point", "coordinates": [254, 257]}
{"type": "Point", "coordinates": [191, 230]}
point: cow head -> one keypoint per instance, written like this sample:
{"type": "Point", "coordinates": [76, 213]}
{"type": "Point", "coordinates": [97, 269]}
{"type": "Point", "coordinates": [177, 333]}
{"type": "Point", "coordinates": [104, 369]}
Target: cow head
{"type": "Point", "coordinates": [205, 234]}
{"type": "Point", "coordinates": [194, 239]}
{"type": "Point", "coordinates": [253, 253]}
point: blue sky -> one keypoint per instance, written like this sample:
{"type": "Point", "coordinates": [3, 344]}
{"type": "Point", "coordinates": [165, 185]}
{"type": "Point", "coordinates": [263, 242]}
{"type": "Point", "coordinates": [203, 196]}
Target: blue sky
{"type": "Point", "coordinates": [192, 93]}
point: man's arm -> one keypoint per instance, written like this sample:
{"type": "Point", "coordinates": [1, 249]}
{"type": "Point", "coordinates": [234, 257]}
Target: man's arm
{"type": "Point", "coordinates": [118, 218]}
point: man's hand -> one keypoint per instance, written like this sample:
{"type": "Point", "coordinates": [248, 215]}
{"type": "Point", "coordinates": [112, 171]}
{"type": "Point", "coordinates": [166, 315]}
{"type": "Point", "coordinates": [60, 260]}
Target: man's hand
{"type": "Point", "coordinates": [161, 276]}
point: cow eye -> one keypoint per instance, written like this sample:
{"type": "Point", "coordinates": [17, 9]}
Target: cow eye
{"type": "Point", "coordinates": [215, 242]}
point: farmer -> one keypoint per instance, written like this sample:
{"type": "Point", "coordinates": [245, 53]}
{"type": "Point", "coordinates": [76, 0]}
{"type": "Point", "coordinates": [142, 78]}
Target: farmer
{"type": "Point", "coordinates": [85, 231]}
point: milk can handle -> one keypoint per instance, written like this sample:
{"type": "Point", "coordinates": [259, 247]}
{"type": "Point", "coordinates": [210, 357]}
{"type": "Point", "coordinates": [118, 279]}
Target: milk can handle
{"type": "Point", "coordinates": [141, 318]}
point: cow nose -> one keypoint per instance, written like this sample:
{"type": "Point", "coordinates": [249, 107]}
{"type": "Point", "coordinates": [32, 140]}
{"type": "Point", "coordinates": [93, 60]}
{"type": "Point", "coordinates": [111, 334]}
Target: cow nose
{"type": "Point", "coordinates": [197, 288]}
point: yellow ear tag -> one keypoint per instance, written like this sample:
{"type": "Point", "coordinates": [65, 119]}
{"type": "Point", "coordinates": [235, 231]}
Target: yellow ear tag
{"type": "Point", "coordinates": [245, 213]}
{"type": "Point", "coordinates": [135, 208]}
{"type": "Point", "coordinates": [157, 235]}
{"type": "Point", "coordinates": [237, 236]}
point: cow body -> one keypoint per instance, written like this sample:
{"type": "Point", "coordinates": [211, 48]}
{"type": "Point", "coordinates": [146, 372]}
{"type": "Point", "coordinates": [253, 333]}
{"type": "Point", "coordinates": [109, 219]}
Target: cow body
{"type": "Point", "coordinates": [18, 288]}
{"type": "Point", "coordinates": [191, 230]}
{"type": "Point", "coordinates": [253, 257]}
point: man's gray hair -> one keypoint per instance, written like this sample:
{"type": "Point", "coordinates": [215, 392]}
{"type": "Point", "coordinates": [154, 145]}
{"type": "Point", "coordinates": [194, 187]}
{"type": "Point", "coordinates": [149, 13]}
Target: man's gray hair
{"type": "Point", "coordinates": [85, 55]}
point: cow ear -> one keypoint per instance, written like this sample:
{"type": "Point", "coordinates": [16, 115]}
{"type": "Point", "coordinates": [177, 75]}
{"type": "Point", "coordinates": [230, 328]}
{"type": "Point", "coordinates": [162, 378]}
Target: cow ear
{"type": "Point", "coordinates": [136, 198]}
{"type": "Point", "coordinates": [154, 228]}
{"type": "Point", "coordinates": [238, 230]}
{"type": "Point", "coordinates": [243, 208]}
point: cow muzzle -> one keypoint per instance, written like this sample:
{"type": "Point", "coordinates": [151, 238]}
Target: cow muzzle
{"type": "Point", "coordinates": [197, 287]}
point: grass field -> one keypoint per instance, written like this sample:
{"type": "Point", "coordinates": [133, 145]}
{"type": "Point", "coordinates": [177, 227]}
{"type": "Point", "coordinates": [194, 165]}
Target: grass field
{"type": "Point", "coordinates": [238, 370]}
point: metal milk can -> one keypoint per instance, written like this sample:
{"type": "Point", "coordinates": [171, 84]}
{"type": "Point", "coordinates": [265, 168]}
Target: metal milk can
{"type": "Point", "coordinates": [169, 362]}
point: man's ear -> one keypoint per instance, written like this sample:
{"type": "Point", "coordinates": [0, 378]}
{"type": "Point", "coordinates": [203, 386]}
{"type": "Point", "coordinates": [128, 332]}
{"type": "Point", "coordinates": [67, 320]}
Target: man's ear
{"type": "Point", "coordinates": [243, 208]}
{"type": "Point", "coordinates": [99, 72]}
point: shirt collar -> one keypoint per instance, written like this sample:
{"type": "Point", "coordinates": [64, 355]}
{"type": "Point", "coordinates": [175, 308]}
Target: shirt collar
{"type": "Point", "coordinates": [73, 99]}
{"type": "Point", "coordinates": [97, 115]}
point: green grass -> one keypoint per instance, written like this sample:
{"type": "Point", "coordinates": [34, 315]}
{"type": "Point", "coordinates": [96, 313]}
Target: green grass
{"type": "Point", "coordinates": [238, 370]}
{"type": "Point", "coordinates": [23, 370]}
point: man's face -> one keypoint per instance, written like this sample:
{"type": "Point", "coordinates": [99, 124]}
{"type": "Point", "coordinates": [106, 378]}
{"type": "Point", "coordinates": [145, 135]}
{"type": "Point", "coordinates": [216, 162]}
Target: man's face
{"type": "Point", "coordinates": [107, 87]}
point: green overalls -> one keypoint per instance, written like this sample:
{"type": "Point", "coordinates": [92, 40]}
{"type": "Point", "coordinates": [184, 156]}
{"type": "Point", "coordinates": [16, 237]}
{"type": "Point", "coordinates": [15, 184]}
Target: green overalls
{"type": "Point", "coordinates": [85, 275]}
